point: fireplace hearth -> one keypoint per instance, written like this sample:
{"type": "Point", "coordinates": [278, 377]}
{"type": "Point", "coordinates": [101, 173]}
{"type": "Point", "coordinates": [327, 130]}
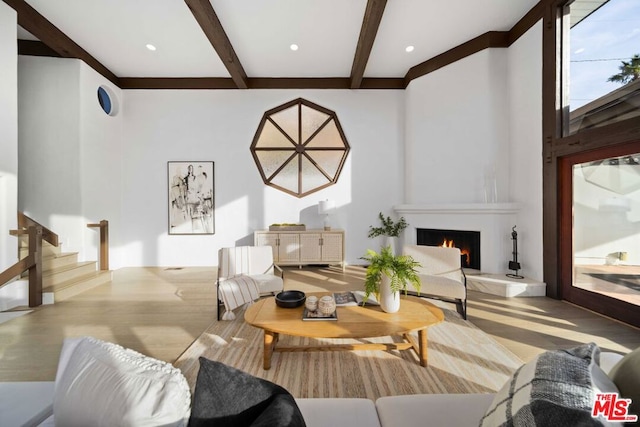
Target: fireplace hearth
{"type": "Point", "coordinates": [467, 241]}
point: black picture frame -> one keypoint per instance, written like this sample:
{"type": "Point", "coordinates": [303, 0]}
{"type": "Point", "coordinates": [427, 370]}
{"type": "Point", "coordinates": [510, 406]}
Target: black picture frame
{"type": "Point", "coordinates": [191, 197]}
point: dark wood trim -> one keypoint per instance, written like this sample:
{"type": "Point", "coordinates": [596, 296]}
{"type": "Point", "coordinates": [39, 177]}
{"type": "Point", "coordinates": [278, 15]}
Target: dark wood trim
{"type": "Point", "coordinates": [257, 83]}
{"type": "Point", "coordinates": [177, 83]}
{"type": "Point", "coordinates": [560, 153]}
{"type": "Point", "coordinates": [382, 83]}
{"type": "Point", "coordinates": [370, 24]}
{"type": "Point", "coordinates": [323, 83]}
{"type": "Point", "coordinates": [36, 48]}
{"type": "Point", "coordinates": [210, 24]}
{"type": "Point", "coordinates": [49, 34]}
{"type": "Point", "coordinates": [597, 302]}
{"type": "Point", "coordinates": [527, 21]}
{"type": "Point", "coordinates": [550, 178]}
{"type": "Point", "coordinates": [487, 40]}
{"type": "Point", "coordinates": [299, 83]}
{"type": "Point", "coordinates": [614, 134]}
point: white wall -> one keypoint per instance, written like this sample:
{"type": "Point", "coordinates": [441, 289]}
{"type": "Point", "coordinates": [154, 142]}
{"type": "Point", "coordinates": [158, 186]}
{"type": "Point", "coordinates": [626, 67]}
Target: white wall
{"type": "Point", "coordinates": [100, 165]}
{"type": "Point", "coordinates": [181, 125]}
{"type": "Point", "coordinates": [436, 142]}
{"type": "Point", "coordinates": [9, 139]}
{"type": "Point", "coordinates": [477, 123]}
{"type": "Point", "coordinates": [69, 151]}
{"type": "Point", "coordinates": [49, 179]}
{"type": "Point", "coordinates": [525, 146]}
{"type": "Point", "coordinates": [456, 133]}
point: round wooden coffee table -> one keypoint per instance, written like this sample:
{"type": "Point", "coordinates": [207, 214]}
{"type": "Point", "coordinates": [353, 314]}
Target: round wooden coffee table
{"type": "Point", "coordinates": [415, 314]}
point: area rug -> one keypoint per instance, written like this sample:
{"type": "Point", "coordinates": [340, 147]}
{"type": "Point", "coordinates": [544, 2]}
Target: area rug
{"type": "Point", "coordinates": [461, 359]}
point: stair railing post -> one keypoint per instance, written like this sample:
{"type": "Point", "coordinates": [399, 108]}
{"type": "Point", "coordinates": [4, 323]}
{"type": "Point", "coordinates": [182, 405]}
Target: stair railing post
{"type": "Point", "coordinates": [35, 271]}
{"type": "Point", "coordinates": [104, 245]}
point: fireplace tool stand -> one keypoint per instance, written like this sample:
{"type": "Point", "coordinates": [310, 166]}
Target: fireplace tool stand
{"type": "Point", "coordinates": [514, 265]}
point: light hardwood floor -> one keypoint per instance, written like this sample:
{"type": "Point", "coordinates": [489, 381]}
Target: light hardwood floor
{"type": "Point", "coordinates": [161, 311]}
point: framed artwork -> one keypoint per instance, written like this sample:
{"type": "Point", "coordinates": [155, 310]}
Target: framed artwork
{"type": "Point", "coordinates": [191, 197]}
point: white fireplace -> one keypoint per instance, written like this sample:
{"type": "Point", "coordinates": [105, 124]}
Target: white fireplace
{"type": "Point", "coordinates": [494, 221]}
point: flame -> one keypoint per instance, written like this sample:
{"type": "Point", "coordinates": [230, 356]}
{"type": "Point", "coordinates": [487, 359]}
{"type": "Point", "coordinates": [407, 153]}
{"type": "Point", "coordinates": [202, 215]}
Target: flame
{"type": "Point", "coordinates": [463, 252]}
{"type": "Point", "coordinates": [447, 244]}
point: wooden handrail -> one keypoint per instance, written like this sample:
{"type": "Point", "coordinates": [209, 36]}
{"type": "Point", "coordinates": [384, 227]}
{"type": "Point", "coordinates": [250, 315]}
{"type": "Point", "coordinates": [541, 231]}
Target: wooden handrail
{"type": "Point", "coordinates": [32, 262]}
{"type": "Point", "coordinates": [47, 235]}
{"type": "Point", "coordinates": [104, 243]}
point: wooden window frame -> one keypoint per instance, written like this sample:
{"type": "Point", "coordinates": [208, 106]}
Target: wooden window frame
{"type": "Point", "coordinates": [299, 148]}
{"type": "Point", "coordinates": [557, 148]}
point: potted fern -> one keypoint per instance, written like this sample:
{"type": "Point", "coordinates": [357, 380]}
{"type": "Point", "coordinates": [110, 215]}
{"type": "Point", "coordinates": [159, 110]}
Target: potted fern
{"type": "Point", "coordinates": [389, 229]}
{"type": "Point", "coordinates": [387, 275]}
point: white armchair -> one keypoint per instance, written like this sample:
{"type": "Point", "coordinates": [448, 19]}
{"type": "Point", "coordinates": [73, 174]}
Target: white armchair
{"type": "Point", "coordinates": [441, 274]}
{"type": "Point", "coordinates": [253, 262]}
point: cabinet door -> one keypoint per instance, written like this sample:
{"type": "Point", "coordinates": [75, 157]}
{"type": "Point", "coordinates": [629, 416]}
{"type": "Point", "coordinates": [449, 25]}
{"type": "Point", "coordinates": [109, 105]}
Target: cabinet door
{"type": "Point", "coordinates": [310, 250]}
{"type": "Point", "coordinates": [268, 239]}
{"type": "Point", "coordinates": [289, 248]}
{"type": "Point", "coordinates": [332, 247]}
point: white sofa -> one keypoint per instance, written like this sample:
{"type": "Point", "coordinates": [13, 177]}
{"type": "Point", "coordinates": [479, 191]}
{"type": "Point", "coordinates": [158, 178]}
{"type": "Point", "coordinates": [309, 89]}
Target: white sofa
{"type": "Point", "coordinates": [31, 404]}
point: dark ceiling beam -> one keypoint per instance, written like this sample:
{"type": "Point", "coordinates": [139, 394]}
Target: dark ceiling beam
{"type": "Point", "coordinates": [484, 41]}
{"type": "Point", "coordinates": [35, 48]}
{"type": "Point", "coordinates": [527, 21]}
{"type": "Point", "coordinates": [368, 31]}
{"type": "Point", "coordinates": [177, 83]}
{"type": "Point", "coordinates": [49, 34]}
{"type": "Point", "coordinates": [210, 24]}
{"type": "Point", "coordinates": [258, 83]}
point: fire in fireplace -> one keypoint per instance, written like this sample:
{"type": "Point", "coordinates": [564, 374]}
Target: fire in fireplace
{"type": "Point", "coordinates": [467, 241]}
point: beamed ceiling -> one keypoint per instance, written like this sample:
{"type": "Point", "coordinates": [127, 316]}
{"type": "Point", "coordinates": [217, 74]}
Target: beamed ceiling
{"type": "Point", "coordinates": [240, 44]}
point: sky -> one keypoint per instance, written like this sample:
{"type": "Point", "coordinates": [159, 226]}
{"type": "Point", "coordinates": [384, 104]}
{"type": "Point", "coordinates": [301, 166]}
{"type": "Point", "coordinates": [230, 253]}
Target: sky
{"type": "Point", "coordinates": [598, 44]}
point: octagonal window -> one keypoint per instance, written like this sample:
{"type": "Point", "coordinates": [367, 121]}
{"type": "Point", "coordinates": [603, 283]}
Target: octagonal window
{"type": "Point", "coordinates": [299, 147]}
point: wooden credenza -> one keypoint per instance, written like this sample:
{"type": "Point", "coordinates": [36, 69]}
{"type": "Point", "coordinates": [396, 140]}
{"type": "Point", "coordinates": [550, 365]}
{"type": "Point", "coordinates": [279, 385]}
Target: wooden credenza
{"type": "Point", "coordinates": [303, 247]}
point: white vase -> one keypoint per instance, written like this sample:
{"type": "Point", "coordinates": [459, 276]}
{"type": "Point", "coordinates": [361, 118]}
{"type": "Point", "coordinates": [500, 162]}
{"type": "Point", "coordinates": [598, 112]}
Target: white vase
{"type": "Point", "coordinates": [389, 301]}
{"type": "Point", "coordinates": [390, 241]}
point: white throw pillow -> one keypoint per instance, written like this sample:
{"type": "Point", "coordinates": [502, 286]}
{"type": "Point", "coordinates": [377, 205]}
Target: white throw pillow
{"type": "Point", "coordinates": [104, 384]}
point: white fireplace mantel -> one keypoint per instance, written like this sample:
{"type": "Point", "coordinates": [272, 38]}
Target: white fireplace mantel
{"type": "Point", "coordinates": [460, 208]}
{"type": "Point", "coordinates": [494, 221]}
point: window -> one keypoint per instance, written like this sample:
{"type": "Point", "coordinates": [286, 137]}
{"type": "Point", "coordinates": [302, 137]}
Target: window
{"type": "Point", "coordinates": [601, 63]}
{"type": "Point", "coordinates": [591, 154]}
{"type": "Point", "coordinates": [107, 100]}
{"type": "Point", "coordinates": [299, 147]}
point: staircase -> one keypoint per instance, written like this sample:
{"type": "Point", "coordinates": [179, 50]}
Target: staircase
{"type": "Point", "coordinates": [63, 276]}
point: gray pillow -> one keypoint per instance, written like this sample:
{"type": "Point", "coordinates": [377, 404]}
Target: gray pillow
{"type": "Point", "coordinates": [626, 375]}
{"type": "Point", "coordinates": [557, 388]}
{"type": "Point", "coordinates": [225, 396]}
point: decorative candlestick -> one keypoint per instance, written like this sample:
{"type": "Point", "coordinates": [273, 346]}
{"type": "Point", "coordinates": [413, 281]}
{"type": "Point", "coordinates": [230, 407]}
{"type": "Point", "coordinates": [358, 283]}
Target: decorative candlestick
{"type": "Point", "coordinates": [514, 265]}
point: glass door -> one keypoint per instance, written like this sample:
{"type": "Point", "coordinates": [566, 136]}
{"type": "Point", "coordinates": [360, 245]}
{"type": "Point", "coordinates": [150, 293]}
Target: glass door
{"type": "Point", "coordinates": [601, 242]}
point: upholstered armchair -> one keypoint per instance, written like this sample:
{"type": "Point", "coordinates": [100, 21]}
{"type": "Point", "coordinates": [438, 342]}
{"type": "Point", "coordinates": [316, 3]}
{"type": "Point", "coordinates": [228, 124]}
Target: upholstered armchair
{"type": "Point", "coordinates": [245, 273]}
{"type": "Point", "coordinates": [441, 274]}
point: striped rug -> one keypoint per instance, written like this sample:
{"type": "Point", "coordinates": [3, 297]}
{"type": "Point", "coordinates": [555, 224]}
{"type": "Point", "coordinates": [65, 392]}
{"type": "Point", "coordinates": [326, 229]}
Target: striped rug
{"type": "Point", "coordinates": [462, 359]}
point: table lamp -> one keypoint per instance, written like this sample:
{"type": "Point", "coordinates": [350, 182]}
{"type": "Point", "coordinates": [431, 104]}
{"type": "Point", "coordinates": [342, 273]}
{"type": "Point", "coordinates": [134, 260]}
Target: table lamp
{"type": "Point", "coordinates": [326, 207]}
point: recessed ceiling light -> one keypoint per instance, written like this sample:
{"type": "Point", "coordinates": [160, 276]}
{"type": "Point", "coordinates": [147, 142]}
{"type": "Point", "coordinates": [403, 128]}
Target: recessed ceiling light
{"type": "Point", "coordinates": [151, 47]}
{"type": "Point", "coordinates": [409, 49]}
{"type": "Point", "coordinates": [293, 47]}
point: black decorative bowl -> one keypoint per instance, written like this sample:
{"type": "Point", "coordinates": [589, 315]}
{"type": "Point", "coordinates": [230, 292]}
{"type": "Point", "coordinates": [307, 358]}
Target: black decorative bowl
{"type": "Point", "coordinates": [290, 299]}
